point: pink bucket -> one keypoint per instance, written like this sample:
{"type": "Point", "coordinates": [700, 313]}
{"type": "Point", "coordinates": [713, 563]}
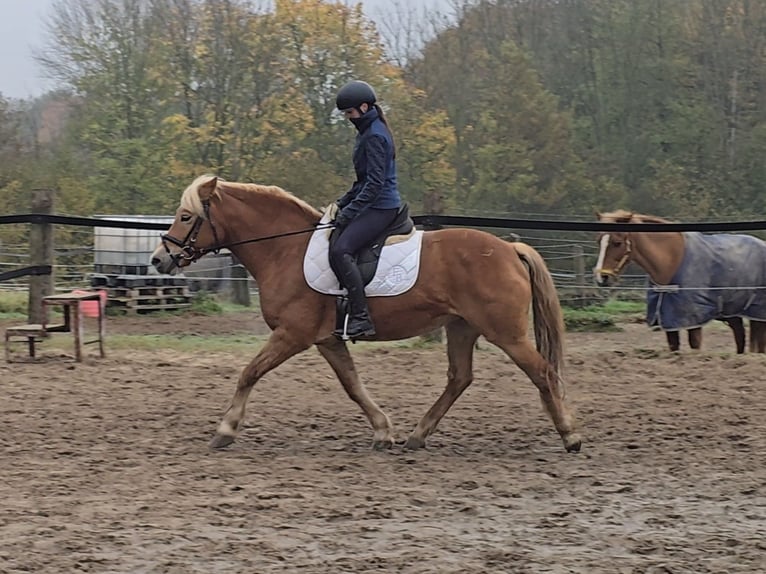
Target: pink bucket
{"type": "Point", "coordinates": [90, 308]}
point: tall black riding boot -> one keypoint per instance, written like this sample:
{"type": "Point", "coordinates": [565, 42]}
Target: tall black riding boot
{"type": "Point", "coordinates": [359, 322]}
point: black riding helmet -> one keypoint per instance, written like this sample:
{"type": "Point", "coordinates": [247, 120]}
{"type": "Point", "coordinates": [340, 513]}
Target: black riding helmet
{"type": "Point", "coordinates": [354, 94]}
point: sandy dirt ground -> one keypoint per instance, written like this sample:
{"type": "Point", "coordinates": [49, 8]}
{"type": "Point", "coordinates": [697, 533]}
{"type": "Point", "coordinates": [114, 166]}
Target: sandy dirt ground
{"type": "Point", "coordinates": [105, 465]}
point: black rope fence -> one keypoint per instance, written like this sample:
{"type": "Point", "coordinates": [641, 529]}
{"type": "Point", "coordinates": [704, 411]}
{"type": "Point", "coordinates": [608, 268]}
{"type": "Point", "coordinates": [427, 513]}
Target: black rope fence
{"type": "Point", "coordinates": [435, 221]}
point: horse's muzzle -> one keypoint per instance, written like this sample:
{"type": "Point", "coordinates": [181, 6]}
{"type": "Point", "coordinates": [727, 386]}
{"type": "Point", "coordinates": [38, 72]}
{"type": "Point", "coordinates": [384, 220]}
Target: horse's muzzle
{"type": "Point", "coordinates": [603, 279]}
{"type": "Point", "coordinates": [164, 262]}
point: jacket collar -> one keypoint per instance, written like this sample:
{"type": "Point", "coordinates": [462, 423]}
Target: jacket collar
{"type": "Point", "coordinates": [363, 122]}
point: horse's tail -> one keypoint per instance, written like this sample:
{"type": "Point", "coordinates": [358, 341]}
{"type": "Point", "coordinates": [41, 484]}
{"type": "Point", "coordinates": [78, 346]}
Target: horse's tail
{"type": "Point", "coordinates": [546, 313]}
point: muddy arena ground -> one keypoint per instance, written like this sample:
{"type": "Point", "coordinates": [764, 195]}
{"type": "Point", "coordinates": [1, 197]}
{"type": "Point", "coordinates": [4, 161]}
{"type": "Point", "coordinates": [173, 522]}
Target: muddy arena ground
{"type": "Point", "coordinates": [106, 468]}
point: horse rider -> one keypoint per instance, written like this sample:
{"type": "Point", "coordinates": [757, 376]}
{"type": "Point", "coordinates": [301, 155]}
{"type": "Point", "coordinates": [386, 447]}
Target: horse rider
{"type": "Point", "coordinates": [371, 204]}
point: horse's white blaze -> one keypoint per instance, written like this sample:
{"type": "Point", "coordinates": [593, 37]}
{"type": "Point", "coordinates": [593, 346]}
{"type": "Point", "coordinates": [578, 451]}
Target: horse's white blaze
{"type": "Point", "coordinates": [601, 255]}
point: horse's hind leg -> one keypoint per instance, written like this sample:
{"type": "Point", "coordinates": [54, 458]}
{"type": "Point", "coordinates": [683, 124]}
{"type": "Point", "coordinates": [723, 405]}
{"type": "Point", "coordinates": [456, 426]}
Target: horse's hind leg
{"type": "Point", "coordinates": [276, 351]}
{"type": "Point", "coordinates": [757, 336]}
{"type": "Point", "coordinates": [737, 327]}
{"type": "Point", "coordinates": [460, 340]}
{"type": "Point", "coordinates": [544, 377]}
{"type": "Point", "coordinates": [337, 355]}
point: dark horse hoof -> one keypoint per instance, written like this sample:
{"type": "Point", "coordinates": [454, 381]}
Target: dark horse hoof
{"type": "Point", "coordinates": [573, 443]}
{"type": "Point", "coordinates": [414, 443]}
{"type": "Point", "coordinates": [221, 441]}
{"type": "Point", "coordinates": [383, 444]}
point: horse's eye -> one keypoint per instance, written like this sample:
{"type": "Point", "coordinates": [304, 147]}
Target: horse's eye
{"type": "Point", "coordinates": [186, 218]}
{"type": "Point", "coordinates": [616, 243]}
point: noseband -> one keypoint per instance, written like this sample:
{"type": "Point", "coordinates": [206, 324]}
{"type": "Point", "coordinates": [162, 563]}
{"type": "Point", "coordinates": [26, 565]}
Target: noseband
{"type": "Point", "coordinates": [621, 263]}
{"type": "Point", "coordinates": [189, 250]}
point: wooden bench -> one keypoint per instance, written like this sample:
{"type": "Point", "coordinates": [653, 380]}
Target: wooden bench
{"type": "Point", "coordinates": [70, 302]}
{"type": "Point", "coordinates": [33, 333]}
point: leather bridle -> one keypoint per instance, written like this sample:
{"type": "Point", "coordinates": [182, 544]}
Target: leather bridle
{"type": "Point", "coordinates": [188, 245]}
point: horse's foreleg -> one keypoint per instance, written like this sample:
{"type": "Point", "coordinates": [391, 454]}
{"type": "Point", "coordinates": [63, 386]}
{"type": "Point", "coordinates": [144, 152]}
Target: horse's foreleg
{"type": "Point", "coordinates": [460, 341]}
{"type": "Point", "coordinates": [674, 341]}
{"type": "Point", "coordinates": [542, 374]}
{"type": "Point", "coordinates": [276, 351]}
{"type": "Point", "coordinates": [337, 355]}
{"type": "Point", "coordinates": [695, 337]}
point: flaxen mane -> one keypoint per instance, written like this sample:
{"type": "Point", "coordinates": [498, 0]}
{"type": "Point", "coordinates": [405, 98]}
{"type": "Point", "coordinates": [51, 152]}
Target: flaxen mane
{"type": "Point", "coordinates": [190, 199]}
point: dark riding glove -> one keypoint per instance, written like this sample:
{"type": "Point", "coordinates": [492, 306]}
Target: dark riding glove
{"type": "Point", "coordinates": [341, 221]}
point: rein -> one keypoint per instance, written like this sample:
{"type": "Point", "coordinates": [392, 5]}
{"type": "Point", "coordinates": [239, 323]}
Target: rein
{"type": "Point", "coordinates": [190, 252]}
{"type": "Point", "coordinates": [216, 248]}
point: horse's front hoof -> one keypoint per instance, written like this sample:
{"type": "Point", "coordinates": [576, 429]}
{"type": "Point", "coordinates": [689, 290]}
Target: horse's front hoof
{"type": "Point", "coordinates": [573, 443]}
{"type": "Point", "coordinates": [221, 441]}
{"type": "Point", "coordinates": [414, 443]}
{"type": "Point", "coordinates": [382, 444]}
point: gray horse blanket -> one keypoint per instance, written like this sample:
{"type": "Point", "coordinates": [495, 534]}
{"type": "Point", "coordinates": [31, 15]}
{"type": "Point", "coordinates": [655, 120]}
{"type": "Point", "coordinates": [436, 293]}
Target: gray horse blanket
{"type": "Point", "coordinates": [720, 276]}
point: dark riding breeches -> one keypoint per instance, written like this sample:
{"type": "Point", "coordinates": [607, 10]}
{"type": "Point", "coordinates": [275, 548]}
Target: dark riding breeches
{"type": "Point", "coordinates": [361, 232]}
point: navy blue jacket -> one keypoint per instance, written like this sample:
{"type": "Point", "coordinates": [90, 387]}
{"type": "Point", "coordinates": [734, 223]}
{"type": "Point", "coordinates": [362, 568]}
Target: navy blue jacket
{"type": "Point", "coordinates": [375, 167]}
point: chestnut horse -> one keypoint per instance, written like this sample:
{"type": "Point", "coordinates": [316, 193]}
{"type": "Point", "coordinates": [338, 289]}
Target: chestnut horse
{"type": "Point", "coordinates": [661, 255]}
{"type": "Point", "coordinates": [471, 283]}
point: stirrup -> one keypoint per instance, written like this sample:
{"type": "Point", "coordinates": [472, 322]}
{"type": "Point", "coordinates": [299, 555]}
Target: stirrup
{"type": "Point", "coordinates": [344, 335]}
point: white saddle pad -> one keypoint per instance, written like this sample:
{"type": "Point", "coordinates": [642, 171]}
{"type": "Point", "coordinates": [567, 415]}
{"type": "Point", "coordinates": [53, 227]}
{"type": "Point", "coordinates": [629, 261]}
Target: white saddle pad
{"type": "Point", "coordinates": [396, 273]}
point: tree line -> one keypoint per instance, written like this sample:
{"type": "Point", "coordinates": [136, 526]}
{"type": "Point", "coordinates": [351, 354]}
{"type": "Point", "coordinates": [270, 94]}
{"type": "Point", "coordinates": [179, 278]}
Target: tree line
{"type": "Point", "coordinates": [503, 107]}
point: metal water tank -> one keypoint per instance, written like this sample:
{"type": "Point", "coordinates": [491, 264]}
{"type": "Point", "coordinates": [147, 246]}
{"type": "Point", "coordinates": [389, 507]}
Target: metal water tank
{"type": "Point", "coordinates": [126, 251]}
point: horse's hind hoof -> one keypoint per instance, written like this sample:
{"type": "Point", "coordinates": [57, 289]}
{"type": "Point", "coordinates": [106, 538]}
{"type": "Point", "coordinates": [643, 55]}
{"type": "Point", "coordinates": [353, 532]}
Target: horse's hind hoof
{"type": "Point", "coordinates": [573, 443]}
{"type": "Point", "coordinates": [221, 441]}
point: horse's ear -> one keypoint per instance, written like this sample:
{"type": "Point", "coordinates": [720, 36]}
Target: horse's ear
{"type": "Point", "coordinates": [207, 188]}
{"type": "Point", "coordinates": [598, 214]}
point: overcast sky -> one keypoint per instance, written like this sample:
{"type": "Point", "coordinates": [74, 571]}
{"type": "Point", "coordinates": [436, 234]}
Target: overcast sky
{"type": "Point", "coordinates": [22, 31]}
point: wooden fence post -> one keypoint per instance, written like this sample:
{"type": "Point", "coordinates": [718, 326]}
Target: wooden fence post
{"type": "Point", "coordinates": [240, 284]}
{"type": "Point", "coordinates": [579, 272]}
{"type": "Point", "coordinates": [40, 253]}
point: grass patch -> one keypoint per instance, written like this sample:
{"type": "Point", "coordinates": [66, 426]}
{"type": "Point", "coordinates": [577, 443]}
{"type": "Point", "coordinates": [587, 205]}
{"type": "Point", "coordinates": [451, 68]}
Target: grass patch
{"type": "Point", "coordinates": [205, 303]}
{"type": "Point", "coordinates": [202, 303]}
{"type": "Point", "coordinates": [585, 320]}
{"type": "Point", "coordinates": [249, 344]}
{"type": "Point", "coordinates": [13, 304]}
{"type": "Point", "coordinates": [603, 318]}
{"type": "Point", "coordinates": [622, 308]}
{"type": "Point", "coordinates": [228, 307]}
